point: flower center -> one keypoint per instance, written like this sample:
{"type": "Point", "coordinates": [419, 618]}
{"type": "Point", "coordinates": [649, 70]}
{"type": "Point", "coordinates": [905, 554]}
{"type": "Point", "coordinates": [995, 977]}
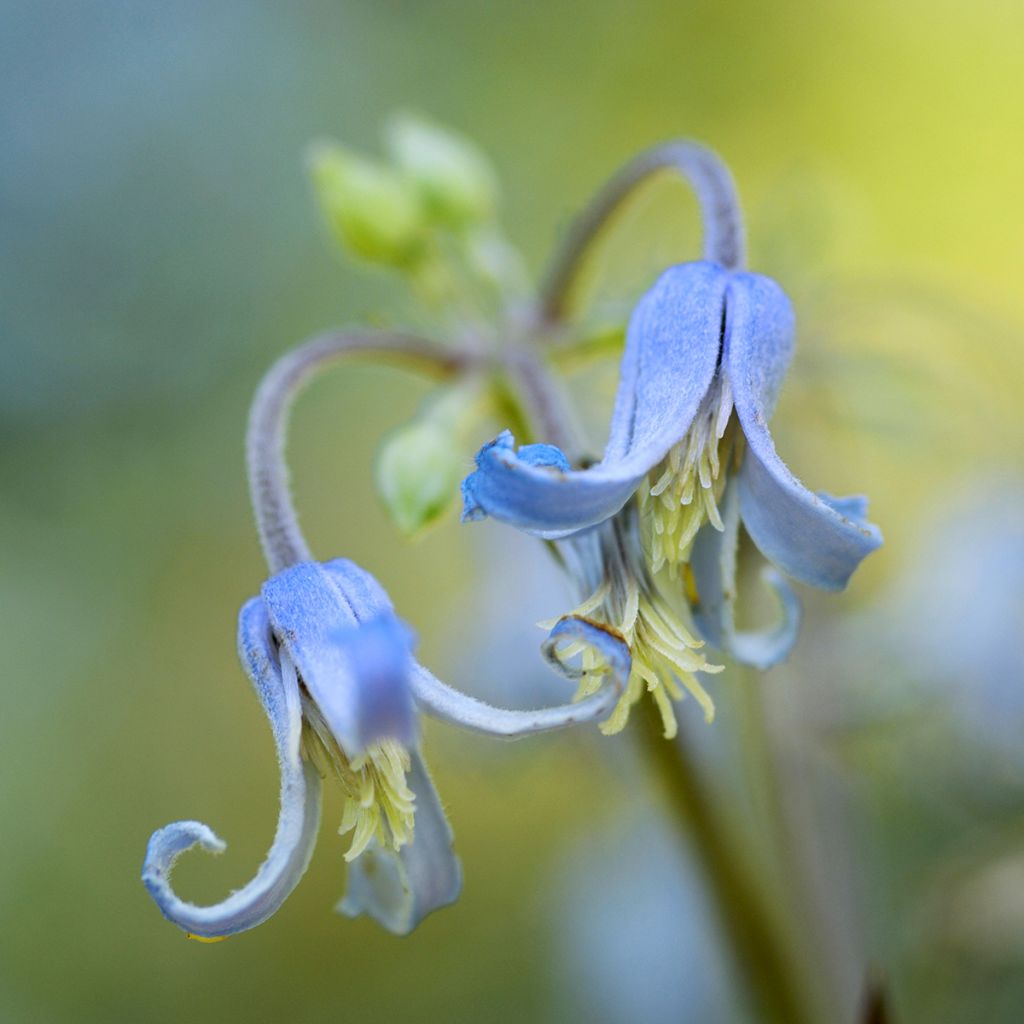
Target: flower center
{"type": "Point", "coordinates": [379, 804]}
{"type": "Point", "coordinates": [683, 490]}
{"type": "Point", "coordinates": [665, 654]}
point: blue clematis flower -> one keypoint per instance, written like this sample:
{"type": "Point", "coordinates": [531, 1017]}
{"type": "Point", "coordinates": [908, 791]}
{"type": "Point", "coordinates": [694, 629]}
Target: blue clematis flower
{"type": "Point", "coordinates": [706, 352]}
{"type": "Point", "coordinates": [333, 668]}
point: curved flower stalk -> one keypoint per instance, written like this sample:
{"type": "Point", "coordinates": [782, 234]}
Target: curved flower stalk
{"type": "Point", "coordinates": [333, 667]}
{"type": "Point", "coordinates": [706, 352]}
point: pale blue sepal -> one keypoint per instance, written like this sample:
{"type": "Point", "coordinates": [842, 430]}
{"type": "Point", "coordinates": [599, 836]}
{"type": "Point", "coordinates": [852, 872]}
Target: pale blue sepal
{"type": "Point", "coordinates": [366, 596]}
{"type": "Point", "coordinates": [355, 666]}
{"type": "Point", "coordinates": [608, 643]}
{"type": "Point", "coordinates": [399, 889]}
{"type": "Point", "coordinates": [713, 561]}
{"type": "Point", "coordinates": [815, 539]}
{"type": "Point", "coordinates": [277, 687]}
{"type": "Point", "coordinates": [458, 708]}
{"type": "Point", "coordinates": [762, 649]}
{"type": "Point", "coordinates": [455, 707]}
{"type": "Point", "coordinates": [672, 349]}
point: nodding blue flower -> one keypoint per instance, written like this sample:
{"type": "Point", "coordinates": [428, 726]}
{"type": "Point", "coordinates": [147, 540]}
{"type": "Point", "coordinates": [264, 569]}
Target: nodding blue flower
{"type": "Point", "coordinates": [706, 352]}
{"type": "Point", "coordinates": [332, 665]}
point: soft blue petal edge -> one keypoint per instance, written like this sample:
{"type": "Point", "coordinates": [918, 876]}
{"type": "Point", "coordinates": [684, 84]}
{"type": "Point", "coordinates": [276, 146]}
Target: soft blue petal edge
{"type": "Point", "coordinates": [813, 538]}
{"type": "Point", "coordinates": [398, 890]}
{"type": "Point", "coordinates": [672, 351]}
{"type": "Point", "coordinates": [298, 820]}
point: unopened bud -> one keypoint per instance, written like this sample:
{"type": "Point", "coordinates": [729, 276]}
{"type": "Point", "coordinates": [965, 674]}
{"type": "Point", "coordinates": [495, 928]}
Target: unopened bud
{"type": "Point", "coordinates": [455, 179]}
{"type": "Point", "coordinates": [373, 211]}
{"type": "Point", "coordinates": [418, 472]}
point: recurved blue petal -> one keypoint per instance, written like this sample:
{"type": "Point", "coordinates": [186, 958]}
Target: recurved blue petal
{"type": "Point", "coordinates": [354, 664]}
{"type": "Point", "coordinates": [672, 349]}
{"type": "Point", "coordinates": [812, 537]}
{"type": "Point", "coordinates": [399, 889]}
{"type": "Point", "coordinates": [714, 570]}
{"type": "Point", "coordinates": [608, 644]}
{"type": "Point", "coordinates": [276, 685]}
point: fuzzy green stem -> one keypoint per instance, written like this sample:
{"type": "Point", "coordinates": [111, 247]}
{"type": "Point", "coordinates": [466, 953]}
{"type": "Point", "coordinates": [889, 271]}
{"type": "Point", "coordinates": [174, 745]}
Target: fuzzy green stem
{"type": "Point", "coordinates": [276, 518]}
{"type": "Point", "coordinates": [749, 923]}
{"type": "Point", "coordinates": [724, 239]}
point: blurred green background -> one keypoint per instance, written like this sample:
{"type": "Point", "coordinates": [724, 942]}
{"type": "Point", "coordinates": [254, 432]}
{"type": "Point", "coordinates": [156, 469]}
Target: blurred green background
{"type": "Point", "coordinates": [159, 247]}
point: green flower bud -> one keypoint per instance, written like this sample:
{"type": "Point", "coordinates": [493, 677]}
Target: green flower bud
{"type": "Point", "coordinates": [455, 179]}
{"type": "Point", "coordinates": [418, 472]}
{"type": "Point", "coordinates": [373, 211]}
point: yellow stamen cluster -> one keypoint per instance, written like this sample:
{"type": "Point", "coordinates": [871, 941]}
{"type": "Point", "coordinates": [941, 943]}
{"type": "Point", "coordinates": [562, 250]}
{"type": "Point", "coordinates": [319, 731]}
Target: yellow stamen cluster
{"type": "Point", "coordinates": [379, 804]}
{"type": "Point", "coordinates": [683, 490]}
{"type": "Point", "coordinates": [665, 655]}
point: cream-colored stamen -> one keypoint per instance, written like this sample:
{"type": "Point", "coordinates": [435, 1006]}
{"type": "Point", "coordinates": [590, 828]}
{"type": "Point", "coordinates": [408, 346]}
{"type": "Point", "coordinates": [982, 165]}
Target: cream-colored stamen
{"type": "Point", "coordinates": [683, 491]}
{"type": "Point", "coordinates": [379, 804]}
{"type": "Point", "coordinates": [666, 656]}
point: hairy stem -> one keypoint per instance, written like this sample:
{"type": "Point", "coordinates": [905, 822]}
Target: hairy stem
{"type": "Point", "coordinates": [276, 518]}
{"type": "Point", "coordinates": [751, 927]}
{"type": "Point", "coordinates": [724, 238]}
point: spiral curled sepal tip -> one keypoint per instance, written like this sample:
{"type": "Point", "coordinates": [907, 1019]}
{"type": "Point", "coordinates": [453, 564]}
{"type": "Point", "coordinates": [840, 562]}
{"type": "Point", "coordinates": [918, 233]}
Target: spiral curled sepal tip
{"type": "Point", "coordinates": [276, 685]}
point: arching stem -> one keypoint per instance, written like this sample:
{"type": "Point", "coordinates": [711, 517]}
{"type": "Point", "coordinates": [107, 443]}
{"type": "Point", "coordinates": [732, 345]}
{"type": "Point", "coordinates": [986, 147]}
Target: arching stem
{"type": "Point", "coordinates": [276, 518]}
{"type": "Point", "coordinates": [724, 237]}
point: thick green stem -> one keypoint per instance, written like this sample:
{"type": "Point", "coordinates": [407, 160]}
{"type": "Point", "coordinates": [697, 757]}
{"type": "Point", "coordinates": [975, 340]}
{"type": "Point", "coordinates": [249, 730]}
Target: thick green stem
{"type": "Point", "coordinates": [750, 925]}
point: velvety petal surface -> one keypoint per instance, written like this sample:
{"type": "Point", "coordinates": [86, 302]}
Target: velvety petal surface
{"type": "Point", "coordinates": [277, 687]}
{"type": "Point", "coordinates": [714, 569]}
{"type": "Point", "coordinates": [812, 537]}
{"type": "Point", "coordinates": [367, 598]}
{"type": "Point", "coordinates": [672, 349]}
{"type": "Point", "coordinates": [353, 659]}
{"type": "Point", "coordinates": [399, 889]}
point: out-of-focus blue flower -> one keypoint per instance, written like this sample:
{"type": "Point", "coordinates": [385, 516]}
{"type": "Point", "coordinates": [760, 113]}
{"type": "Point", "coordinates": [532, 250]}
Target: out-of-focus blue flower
{"type": "Point", "coordinates": [706, 352]}
{"type": "Point", "coordinates": [968, 565]}
{"type": "Point", "coordinates": [639, 945]}
{"type": "Point", "coordinates": [333, 668]}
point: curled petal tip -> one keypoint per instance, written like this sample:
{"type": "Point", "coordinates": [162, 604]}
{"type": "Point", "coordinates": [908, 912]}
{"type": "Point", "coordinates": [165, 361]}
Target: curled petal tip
{"type": "Point", "coordinates": [605, 641]}
{"type": "Point", "coordinates": [816, 539]}
{"type": "Point", "coordinates": [763, 649]}
{"type": "Point", "coordinates": [170, 842]}
{"type": "Point", "coordinates": [276, 685]}
{"type": "Point", "coordinates": [263, 895]}
{"type": "Point", "coordinates": [472, 510]}
{"type": "Point", "coordinates": [536, 490]}
{"type": "Point", "coordinates": [714, 567]}
{"type": "Point", "coordinates": [545, 456]}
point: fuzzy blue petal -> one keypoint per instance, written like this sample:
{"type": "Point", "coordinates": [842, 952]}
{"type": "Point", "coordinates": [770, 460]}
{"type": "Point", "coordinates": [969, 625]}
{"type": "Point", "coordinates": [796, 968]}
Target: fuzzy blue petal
{"type": "Point", "coordinates": [366, 597]}
{"type": "Point", "coordinates": [355, 665]}
{"type": "Point", "coordinates": [672, 349]}
{"type": "Point", "coordinates": [714, 570]}
{"type": "Point", "coordinates": [399, 889]}
{"type": "Point", "coordinates": [763, 648]}
{"type": "Point", "coordinates": [609, 645]}
{"type": "Point", "coordinates": [814, 538]}
{"type": "Point", "coordinates": [278, 691]}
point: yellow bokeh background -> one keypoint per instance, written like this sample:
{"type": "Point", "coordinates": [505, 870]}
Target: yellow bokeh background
{"type": "Point", "coordinates": [160, 248]}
